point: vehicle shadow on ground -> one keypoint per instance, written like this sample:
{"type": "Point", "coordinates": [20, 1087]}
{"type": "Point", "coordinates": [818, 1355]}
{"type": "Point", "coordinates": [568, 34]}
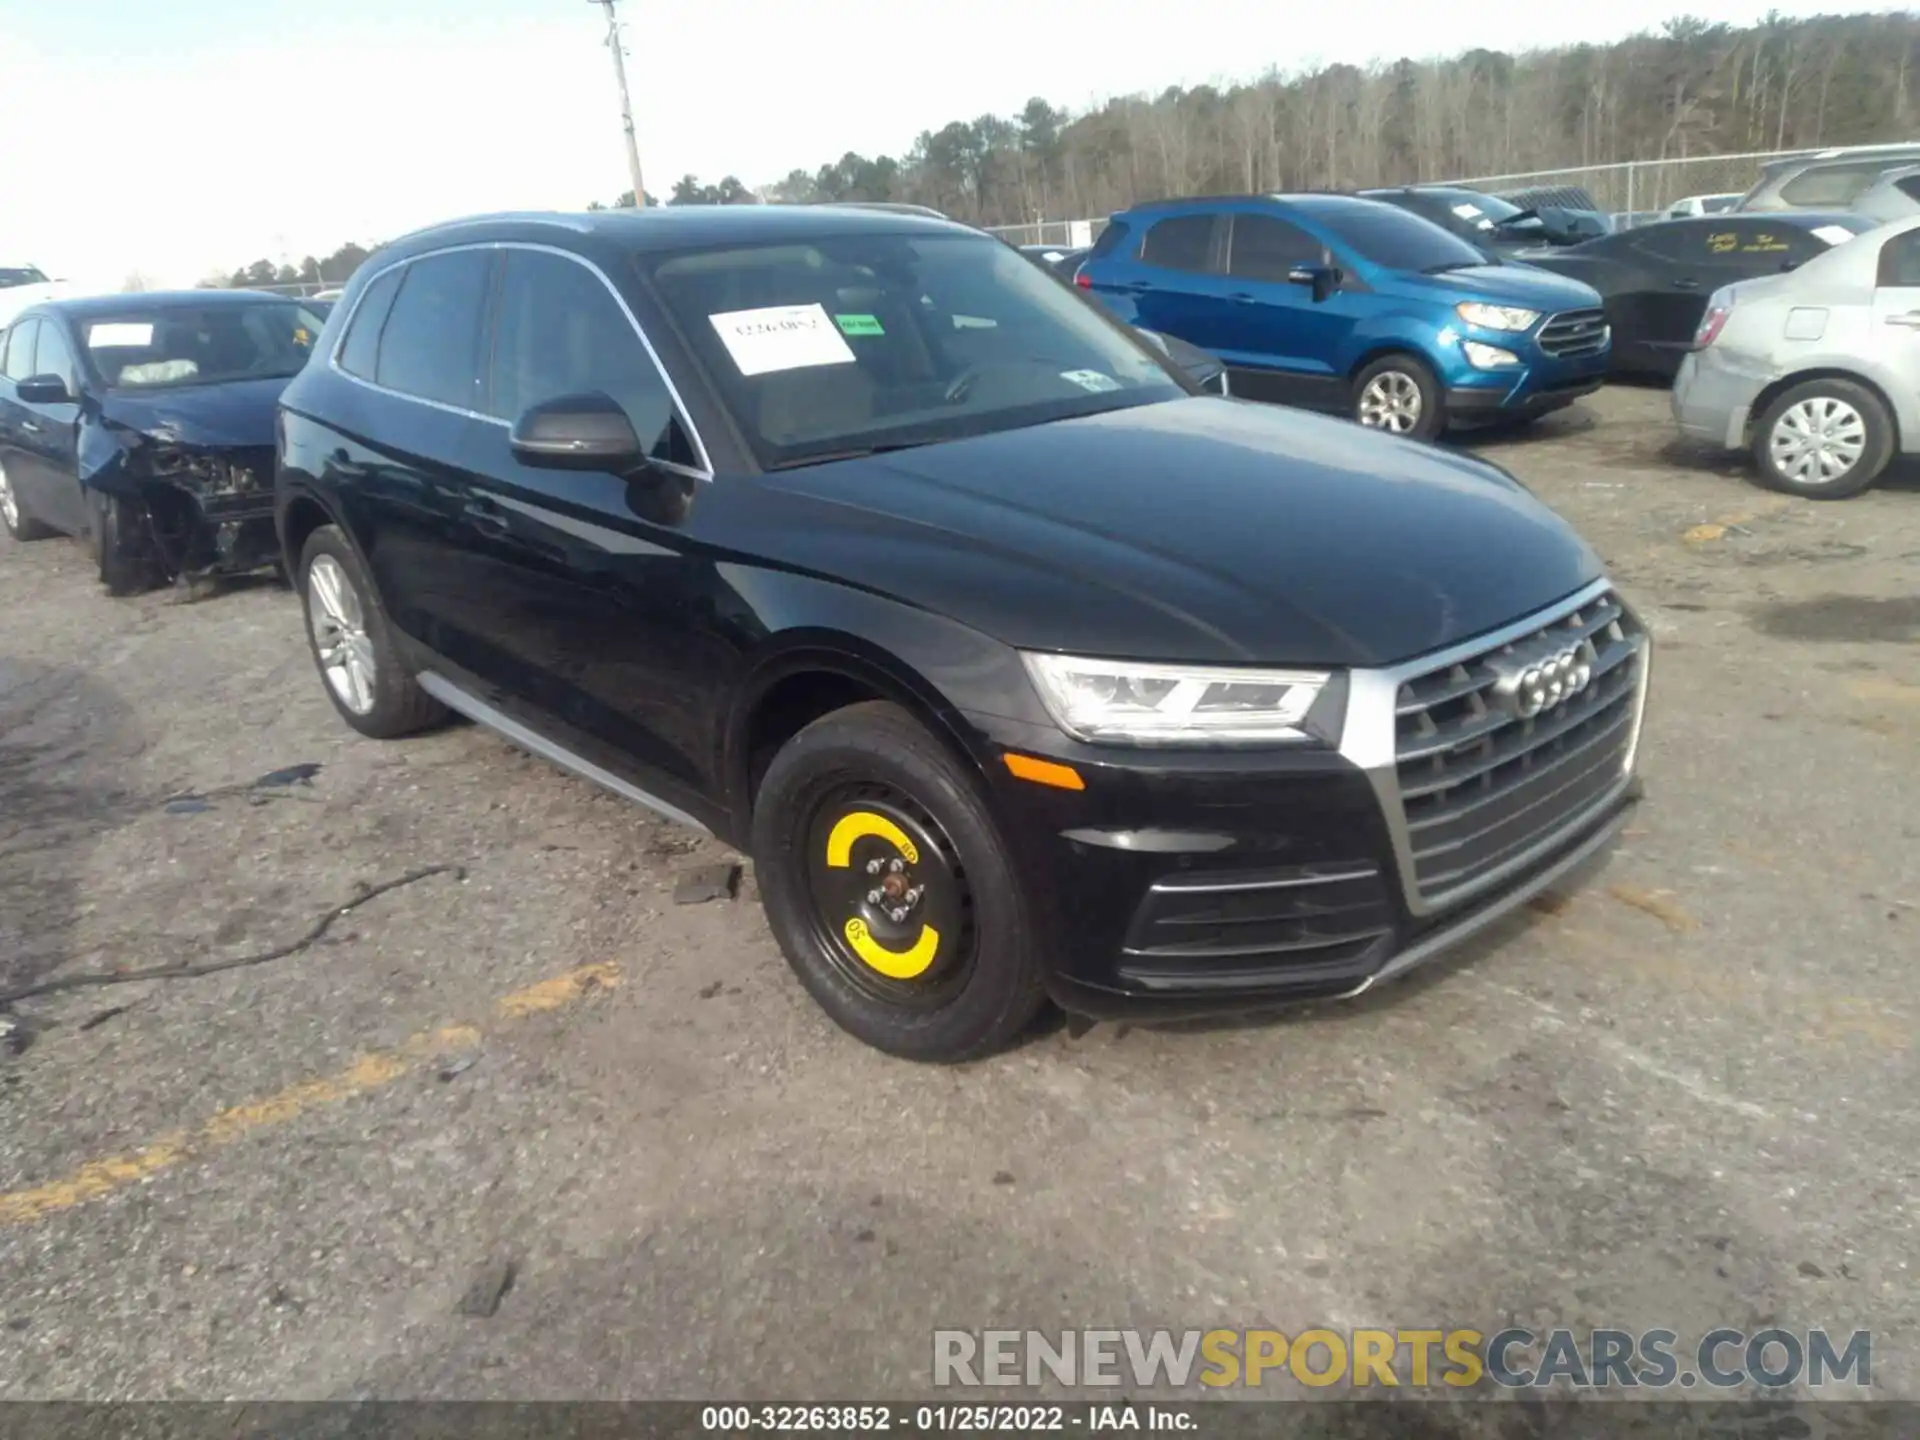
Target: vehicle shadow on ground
{"type": "Point", "coordinates": [65, 743]}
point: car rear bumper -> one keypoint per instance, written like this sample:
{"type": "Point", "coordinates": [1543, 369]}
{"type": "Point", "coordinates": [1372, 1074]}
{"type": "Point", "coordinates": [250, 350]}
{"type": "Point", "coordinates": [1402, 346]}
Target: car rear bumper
{"type": "Point", "coordinates": [1712, 401]}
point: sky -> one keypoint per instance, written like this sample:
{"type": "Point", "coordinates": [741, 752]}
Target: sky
{"type": "Point", "coordinates": [177, 138]}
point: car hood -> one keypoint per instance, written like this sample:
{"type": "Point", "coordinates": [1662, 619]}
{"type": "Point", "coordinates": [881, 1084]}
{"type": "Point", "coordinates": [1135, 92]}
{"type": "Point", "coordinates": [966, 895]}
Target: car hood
{"type": "Point", "coordinates": [1514, 285]}
{"type": "Point", "coordinates": [1199, 530]}
{"type": "Point", "coordinates": [239, 413]}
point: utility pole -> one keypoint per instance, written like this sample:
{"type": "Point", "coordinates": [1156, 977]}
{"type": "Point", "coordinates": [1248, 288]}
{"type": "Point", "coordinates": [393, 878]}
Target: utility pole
{"type": "Point", "coordinates": [626, 103]}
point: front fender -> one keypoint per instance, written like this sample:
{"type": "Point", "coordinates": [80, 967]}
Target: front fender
{"type": "Point", "coordinates": [933, 665]}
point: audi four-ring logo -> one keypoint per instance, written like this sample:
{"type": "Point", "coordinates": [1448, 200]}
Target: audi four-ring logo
{"type": "Point", "coordinates": [1543, 684]}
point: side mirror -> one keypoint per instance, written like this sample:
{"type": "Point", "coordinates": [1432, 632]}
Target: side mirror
{"type": "Point", "coordinates": [43, 390]}
{"type": "Point", "coordinates": [577, 432]}
{"type": "Point", "coordinates": [1323, 280]}
{"type": "Point", "coordinates": [1562, 227]}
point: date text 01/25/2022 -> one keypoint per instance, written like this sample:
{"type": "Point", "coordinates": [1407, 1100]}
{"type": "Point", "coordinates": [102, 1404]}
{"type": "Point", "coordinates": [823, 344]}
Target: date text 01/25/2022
{"type": "Point", "coordinates": [944, 1419]}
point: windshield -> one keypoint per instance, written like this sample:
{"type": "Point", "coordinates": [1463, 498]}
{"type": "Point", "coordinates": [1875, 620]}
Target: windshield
{"type": "Point", "coordinates": [1389, 236]}
{"type": "Point", "coordinates": [144, 348]}
{"type": "Point", "coordinates": [1471, 210]}
{"type": "Point", "coordinates": [20, 275]}
{"type": "Point", "coordinates": [862, 342]}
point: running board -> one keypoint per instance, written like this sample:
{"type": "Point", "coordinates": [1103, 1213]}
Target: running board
{"type": "Point", "coordinates": [507, 728]}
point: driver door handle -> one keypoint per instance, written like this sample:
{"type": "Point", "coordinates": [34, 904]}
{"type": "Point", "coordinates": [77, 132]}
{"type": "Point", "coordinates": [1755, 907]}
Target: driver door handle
{"type": "Point", "coordinates": [1911, 319]}
{"type": "Point", "coordinates": [1686, 284]}
{"type": "Point", "coordinates": [486, 515]}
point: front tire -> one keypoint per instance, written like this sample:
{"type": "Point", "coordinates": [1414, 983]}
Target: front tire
{"type": "Point", "coordinates": [352, 643]}
{"type": "Point", "coordinates": [1399, 394]}
{"type": "Point", "coordinates": [20, 525]}
{"type": "Point", "coordinates": [1824, 440]}
{"type": "Point", "coordinates": [892, 895]}
{"type": "Point", "coordinates": [122, 544]}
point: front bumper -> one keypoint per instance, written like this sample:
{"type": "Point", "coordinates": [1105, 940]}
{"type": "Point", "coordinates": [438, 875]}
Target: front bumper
{"type": "Point", "coordinates": [1194, 884]}
{"type": "Point", "coordinates": [1544, 380]}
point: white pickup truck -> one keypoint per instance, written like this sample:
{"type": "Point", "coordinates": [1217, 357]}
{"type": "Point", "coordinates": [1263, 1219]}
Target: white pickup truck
{"type": "Point", "coordinates": [24, 285]}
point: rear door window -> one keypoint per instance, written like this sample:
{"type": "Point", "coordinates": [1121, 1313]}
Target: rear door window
{"type": "Point", "coordinates": [1900, 262]}
{"type": "Point", "coordinates": [1264, 248]}
{"type": "Point", "coordinates": [430, 347]}
{"type": "Point", "coordinates": [1181, 242]}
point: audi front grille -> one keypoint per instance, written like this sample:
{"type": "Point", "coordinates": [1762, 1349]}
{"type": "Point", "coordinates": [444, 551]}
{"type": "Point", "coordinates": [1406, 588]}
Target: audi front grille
{"type": "Point", "coordinates": [1483, 786]}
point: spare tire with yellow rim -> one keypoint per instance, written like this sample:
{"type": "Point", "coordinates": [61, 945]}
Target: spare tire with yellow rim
{"type": "Point", "coordinates": [890, 890]}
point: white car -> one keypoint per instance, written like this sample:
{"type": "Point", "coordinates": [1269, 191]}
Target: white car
{"type": "Point", "coordinates": [1695, 205]}
{"type": "Point", "coordinates": [1816, 370]}
{"type": "Point", "coordinates": [24, 285]}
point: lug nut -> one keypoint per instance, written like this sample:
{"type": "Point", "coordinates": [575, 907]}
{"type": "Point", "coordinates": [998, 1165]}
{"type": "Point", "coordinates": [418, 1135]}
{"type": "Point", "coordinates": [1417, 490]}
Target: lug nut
{"type": "Point", "coordinates": [896, 865]}
{"type": "Point", "coordinates": [913, 895]}
{"type": "Point", "coordinates": [899, 914]}
{"type": "Point", "coordinates": [873, 867]}
{"type": "Point", "coordinates": [874, 897]}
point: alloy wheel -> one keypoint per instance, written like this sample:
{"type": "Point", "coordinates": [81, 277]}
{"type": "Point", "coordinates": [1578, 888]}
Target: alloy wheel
{"type": "Point", "coordinates": [1391, 402]}
{"type": "Point", "coordinates": [340, 634]}
{"type": "Point", "coordinates": [1817, 441]}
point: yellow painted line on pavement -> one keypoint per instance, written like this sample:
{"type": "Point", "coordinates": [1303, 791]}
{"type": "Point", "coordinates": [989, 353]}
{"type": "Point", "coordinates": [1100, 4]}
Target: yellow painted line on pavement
{"type": "Point", "coordinates": [370, 1072]}
{"type": "Point", "coordinates": [1655, 903]}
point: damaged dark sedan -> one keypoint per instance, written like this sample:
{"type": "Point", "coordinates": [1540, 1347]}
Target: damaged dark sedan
{"type": "Point", "coordinates": [143, 424]}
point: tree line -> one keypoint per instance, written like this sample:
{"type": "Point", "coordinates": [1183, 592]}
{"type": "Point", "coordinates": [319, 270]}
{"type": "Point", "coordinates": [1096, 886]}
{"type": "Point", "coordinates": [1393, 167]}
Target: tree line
{"type": "Point", "coordinates": [1692, 88]}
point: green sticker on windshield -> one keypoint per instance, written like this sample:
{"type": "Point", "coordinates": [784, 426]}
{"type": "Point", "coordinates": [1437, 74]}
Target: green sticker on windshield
{"type": "Point", "coordinates": [859, 324]}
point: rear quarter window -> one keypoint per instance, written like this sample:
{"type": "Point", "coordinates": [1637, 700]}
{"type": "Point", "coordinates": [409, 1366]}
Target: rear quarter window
{"type": "Point", "coordinates": [1829, 185]}
{"type": "Point", "coordinates": [360, 348]}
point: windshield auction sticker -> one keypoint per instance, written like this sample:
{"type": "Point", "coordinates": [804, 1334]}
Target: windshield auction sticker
{"type": "Point", "coordinates": [781, 337]}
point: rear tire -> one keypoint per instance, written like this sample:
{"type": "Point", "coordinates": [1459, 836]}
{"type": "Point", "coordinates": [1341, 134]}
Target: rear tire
{"type": "Point", "coordinates": [13, 513]}
{"type": "Point", "coordinates": [1827, 439]}
{"type": "Point", "coordinates": [1399, 394]}
{"type": "Point", "coordinates": [958, 973]}
{"type": "Point", "coordinates": [122, 544]}
{"type": "Point", "coordinates": [352, 643]}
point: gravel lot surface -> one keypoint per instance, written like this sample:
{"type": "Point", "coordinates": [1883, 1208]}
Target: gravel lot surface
{"type": "Point", "coordinates": [1683, 1096]}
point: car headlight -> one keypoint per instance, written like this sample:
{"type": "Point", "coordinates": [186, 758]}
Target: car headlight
{"type": "Point", "coordinates": [1126, 702]}
{"type": "Point", "coordinates": [1496, 317]}
{"type": "Point", "coordinates": [1488, 357]}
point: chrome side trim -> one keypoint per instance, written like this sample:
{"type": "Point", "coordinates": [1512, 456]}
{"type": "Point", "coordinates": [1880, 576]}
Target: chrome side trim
{"type": "Point", "coordinates": [1292, 882]}
{"type": "Point", "coordinates": [505, 726]}
{"type": "Point", "coordinates": [705, 469]}
{"type": "Point", "coordinates": [1368, 741]}
{"type": "Point", "coordinates": [1442, 941]}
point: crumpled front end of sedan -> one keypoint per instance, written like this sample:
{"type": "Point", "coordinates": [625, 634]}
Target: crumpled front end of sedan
{"type": "Point", "coordinates": [208, 509]}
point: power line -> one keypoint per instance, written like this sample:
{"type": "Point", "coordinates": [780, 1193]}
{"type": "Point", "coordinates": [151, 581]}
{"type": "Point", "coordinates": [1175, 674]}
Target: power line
{"type": "Point", "coordinates": [626, 102]}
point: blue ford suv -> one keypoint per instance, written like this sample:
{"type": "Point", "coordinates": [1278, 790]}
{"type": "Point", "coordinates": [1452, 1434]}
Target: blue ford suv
{"type": "Point", "coordinates": [1333, 302]}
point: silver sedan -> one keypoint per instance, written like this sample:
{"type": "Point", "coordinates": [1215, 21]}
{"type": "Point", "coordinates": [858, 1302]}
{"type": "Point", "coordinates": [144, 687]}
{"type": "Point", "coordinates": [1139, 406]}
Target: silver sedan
{"type": "Point", "coordinates": [1817, 371]}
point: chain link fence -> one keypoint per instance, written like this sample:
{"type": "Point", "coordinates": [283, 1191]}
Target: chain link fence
{"type": "Point", "coordinates": [1642, 188]}
{"type": "Point", "coordinates": [1067, 234]}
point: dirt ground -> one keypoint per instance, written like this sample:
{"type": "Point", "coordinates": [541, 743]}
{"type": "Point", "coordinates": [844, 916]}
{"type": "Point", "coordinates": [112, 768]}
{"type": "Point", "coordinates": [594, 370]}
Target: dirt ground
{"type": "Point", "coordinates": [1683, 1096]}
